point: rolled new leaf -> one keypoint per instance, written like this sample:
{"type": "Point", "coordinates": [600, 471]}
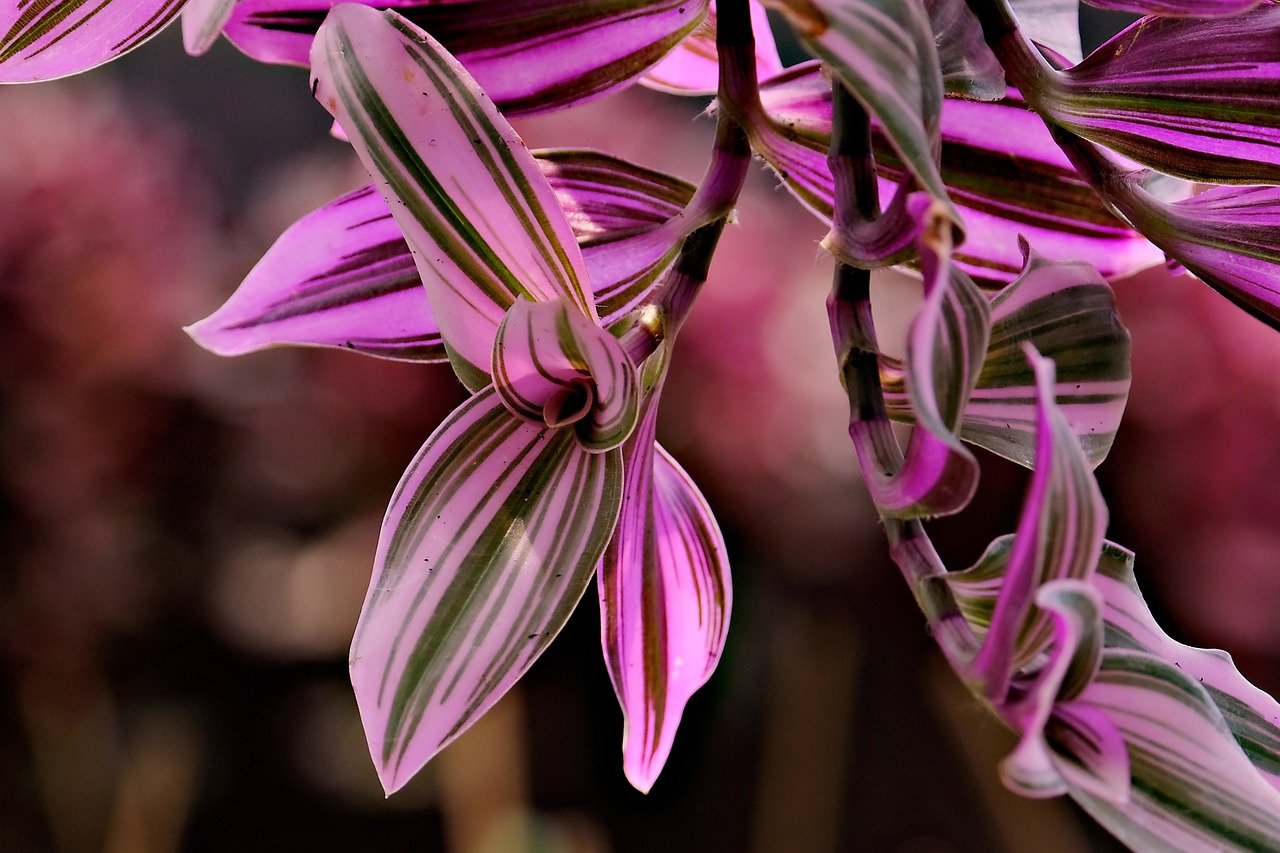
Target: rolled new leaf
{"type": "Point", "coordinates": [1000, 165]}
{"type": "Point", "coordinates": [693, 68]}
{"type": "Point", "coordinates": [528, 56]}
{"type": "Point", "coordinates": [202, 23]}
{"type": "Point", "coordinates": [55, 38]}
{"type": "Point", "coordinates": [552, 365]}
{"type": "Point", "coordinates": [480, 217]}
{"type": "Point", "coordinates": [1199, 99]}
{"type": "Point", "coordinates": [490, 540]}
{"type": "Point", "coordinates": [1068, 313]}
{"type": "Point", "coordinates": [969, 68]}
{"type": "Point", "coordinates": [665, 597]}
{"type": "Point", "coordinates": [343, 276]}
{"type": "Point", "coordinates": [1059, 535]}
{"type": "Point", "coordinates": [884, 52]}
{"type": "Point", "coordinates": [945, 347]}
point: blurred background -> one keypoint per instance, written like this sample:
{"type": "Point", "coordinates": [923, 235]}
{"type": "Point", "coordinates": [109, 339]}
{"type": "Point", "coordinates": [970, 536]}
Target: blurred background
{"type": "Point", "coordinates": [186, 539]}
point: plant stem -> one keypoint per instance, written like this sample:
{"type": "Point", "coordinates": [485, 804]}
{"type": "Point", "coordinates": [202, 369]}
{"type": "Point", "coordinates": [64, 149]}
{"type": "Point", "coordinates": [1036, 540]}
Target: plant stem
{"type": "Point", "coordinates": [857, 352]}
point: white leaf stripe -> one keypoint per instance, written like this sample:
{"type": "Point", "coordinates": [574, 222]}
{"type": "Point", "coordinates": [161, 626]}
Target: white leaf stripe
{"type": "Point", "coordinates": [489, 542]}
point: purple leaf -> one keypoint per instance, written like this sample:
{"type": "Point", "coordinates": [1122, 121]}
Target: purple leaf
{"type": "Point", "coordinates": [343, 276]}
{"type": "Point", "coordinates": [693, 67]}
{"type": "Point", "coordinates": [552, 364]}
{"type": "Point", "coordinates": [1166, 93]}
{"type": "Point", "coordinates": [1000, 164]}
{"type": "Point", "coordinates": [1227, 236]}
{"type": "Point", "coordinates": [528, 56]}
{"type": "Point", "coordinates": [665, 598]}
{"type": "Point", "coordinates": [489, 542]}
{"type": "Point", "coordinates": [1068, 313]}
{"type": "Point", "coordinates": [1059, 535]}
{"type": "Point", "coordinates": [46, 39]}
{"type": "Point", "coordinates": [1178, 8]}
{"type": "Point", "coordinates": [482, 221]}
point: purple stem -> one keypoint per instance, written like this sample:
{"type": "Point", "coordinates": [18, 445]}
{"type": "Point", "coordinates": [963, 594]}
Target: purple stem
{"type": "Point", "coordinates": [857, 352]}
{"type": "Point", "coordinates": [713, 203]}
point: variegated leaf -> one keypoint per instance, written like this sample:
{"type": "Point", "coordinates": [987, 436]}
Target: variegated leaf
{"type": "Point", "coordinates": [528, 56]}
{"type": "Point", "coordinates": [553, 365]}
{"type": "Point", "coordinates": [489, 542]}
{"type": "Point", "coordinates": [883, 51]}
{"type": "Point", "coordinates": [202, 23]}
{"type": "Point", "coordinates": [1199, 99]}
{"type": "Point", "coordinates": [1192, 787]}
{"type": "Point", "coordinates": [1059, 533]}
{"type": "Point", "coordinates": [343, 275]}
{"type": "Point", "coordinates": [47, 39]}
{"type": "Point", "coordinates": [945, 346]}
{"type": "Point", "coordinates": [480, 217]}
{"type": "Point", "coordinates": [1001, 166]}
{"type": "Point", "coordinates": [1252, 716]}
{"type": "Point", "coordinates": [665, 598]}
{"type": "Point", "coordinates": [693, 67]}
{"type": "Point", "coordinates": [1068, 313]}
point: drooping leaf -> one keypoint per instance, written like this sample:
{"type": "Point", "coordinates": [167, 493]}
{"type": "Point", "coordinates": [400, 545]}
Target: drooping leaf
{"type": "Point", "coordinates": [1059, 535]}
{"type": "Point", "coordinates": [1001, 166]}
{"type": "Point", "coordinates": [552, 364]}
{"type": "Point", "coordinates": [1227, 236]}
{"type": "Point", "coordinates": [489, 542]}
{"type": "Point", "coordinates": [1068, 313]}
{"type": "Point", "coordinates": [1052, 23]}
{"type": "Point", "coordinates": [969, 68]}
{"type": "Point", "coordinates": [202, 23]}
{"type": "Point", "coordinates": [343, 275]}
{"type": "Point", "coordinates": [665, 598]}
{"type": "Point", "coordinates": [693, 67]}
{"type": "Point", "coordinates": [47, 39]}
{"type": "Point", "coordinates": [528, 56]}
{"type": "Point", "coordinates": [481, 218]}
{"type": "Point", "coordinates": [1199, 99]}
{"type": "Point", "coordinates": [1252, 716]}
{"type": "Point", "coordinates": [945, 347]}
{"type": "Point", "coordinates": [884, 52]}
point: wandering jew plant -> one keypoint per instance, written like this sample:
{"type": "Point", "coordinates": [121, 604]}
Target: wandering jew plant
{"type": "Point", "coordinates": [970, 141]}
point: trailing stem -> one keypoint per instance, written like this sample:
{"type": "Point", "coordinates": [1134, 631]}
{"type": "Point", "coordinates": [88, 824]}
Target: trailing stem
{"type": "Point", "coordinates": [857, 352]}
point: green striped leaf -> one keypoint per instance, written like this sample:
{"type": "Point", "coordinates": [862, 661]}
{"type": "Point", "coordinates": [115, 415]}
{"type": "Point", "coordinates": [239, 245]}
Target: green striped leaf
{"type": "Point", "coordinates": [489, 542]}
{"type": "Point", "coordinates": [480, 217]}
{"type": "Point", "coordinates": [1059, 535]}
{"type": "Point", "coordinates": [665, 595]}
{"type": "Point", "coordinates": [1192, 787]}
{"type": "Point", "coordinates": [553, 365]}
{"type": "Point", "coordinates": [47, 39]}
{"type": "Point", "coordinates": [1068, 313]}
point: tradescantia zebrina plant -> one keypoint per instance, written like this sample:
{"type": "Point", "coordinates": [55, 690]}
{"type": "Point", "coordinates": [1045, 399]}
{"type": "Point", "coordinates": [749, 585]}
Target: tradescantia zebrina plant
{"type": "Point", "coordinates": [970, 141]}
